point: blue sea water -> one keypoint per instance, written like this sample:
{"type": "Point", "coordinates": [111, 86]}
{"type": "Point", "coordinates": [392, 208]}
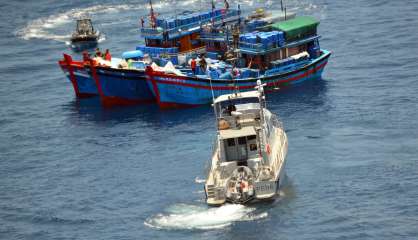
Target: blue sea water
{"type": "Point", "coordinates": [70, 169]}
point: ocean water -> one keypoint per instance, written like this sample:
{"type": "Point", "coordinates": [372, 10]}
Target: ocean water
{"type": "Point", "coordinates": [70, 169]}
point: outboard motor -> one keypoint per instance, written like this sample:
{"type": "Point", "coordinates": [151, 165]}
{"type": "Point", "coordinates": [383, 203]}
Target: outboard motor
{"type": "Point", "coordinates": [240, 186]}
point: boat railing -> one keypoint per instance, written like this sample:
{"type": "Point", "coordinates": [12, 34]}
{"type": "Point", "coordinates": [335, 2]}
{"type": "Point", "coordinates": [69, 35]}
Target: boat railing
{"type": "Point", "coordinates": [213, 36]}
{"type": "Point", "coordinates": [150, 31]}
{"type": "Point", "coordinates": [273, 46]}
{"type": "Point", "coordinates": [275, 121]}
{"type": "Point", "coordinates": [230, 16]}
{"type": "Point", "coordinates": [227, 17]}
{"type": "Point", "coordinates": [208, 165]}
{"type": "Point", "coordinates": [258, 47]}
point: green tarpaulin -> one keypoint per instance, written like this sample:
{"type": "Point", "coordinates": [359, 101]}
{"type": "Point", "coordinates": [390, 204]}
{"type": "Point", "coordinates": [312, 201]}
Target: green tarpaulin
{"type": "Point", "coordinates": [297, 27]}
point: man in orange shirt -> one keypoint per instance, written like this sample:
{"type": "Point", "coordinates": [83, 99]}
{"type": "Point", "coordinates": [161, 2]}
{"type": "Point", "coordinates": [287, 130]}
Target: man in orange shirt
{"type": "Point", "coordinates": [193, 65]}
{"type": "Point", "coordinates": [108, 57]}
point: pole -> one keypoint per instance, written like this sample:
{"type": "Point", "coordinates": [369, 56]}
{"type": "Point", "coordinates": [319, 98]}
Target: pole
{"type": "Point", "coordinates": [285, 17]}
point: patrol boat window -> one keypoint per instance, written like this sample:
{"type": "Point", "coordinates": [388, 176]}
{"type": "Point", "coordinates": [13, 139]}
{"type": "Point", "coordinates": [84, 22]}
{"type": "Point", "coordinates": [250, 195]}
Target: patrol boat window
{"type": "Point", "coordinates": [240, 149]}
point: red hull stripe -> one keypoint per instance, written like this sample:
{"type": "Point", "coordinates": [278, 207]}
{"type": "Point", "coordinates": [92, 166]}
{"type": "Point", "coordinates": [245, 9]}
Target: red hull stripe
{"type": "Point", "coordinates": [117, 101]}
{"type": "Point", "coordinates": [171, 105]}
{"type": "Point", "coordinates": [317, 68]}
{"type": "Point", "coordinates": [68, 61]}
{"type": "Point", "coordinates": [69, 65]}
{"type": "Point", "coordinates": [96, 80]}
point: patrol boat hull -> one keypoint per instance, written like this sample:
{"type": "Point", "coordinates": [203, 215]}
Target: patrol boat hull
{"type": "Point", "coordinates": [249, 157]}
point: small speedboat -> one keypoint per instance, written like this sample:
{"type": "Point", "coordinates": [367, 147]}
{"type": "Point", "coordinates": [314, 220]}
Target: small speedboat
{"type": "Point", "coordinates": [85, 36]}
{"type": "Point", "coordinates": [249, 151]}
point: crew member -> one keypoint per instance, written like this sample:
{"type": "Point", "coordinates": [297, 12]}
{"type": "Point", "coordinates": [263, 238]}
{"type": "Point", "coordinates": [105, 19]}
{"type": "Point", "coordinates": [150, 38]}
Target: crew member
{"type": "Point", "coordinates": [193, 65]}
{"type": "Point", "coordinates": [108, 57]}
{"type": "Point", "coordinates": [98, 53]}
{"type": "Point", "coordinates": [86, 56]}
{"type": "Point", "coordinates": [142, 22]}
{"type": "Point", "coordinates": [203, 63]}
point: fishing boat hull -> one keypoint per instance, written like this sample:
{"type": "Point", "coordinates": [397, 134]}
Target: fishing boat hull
{"type": "Point", "coordinates": [121, 86]}
{"type": "Point", "coordinates": [181, 91]}
{"type": "Point", "coordinates": [84, 86]}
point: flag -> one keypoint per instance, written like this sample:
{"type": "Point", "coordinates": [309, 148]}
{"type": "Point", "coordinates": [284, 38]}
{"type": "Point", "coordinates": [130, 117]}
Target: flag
{"type": "Point", "coordinates": [226, 4]}
{"type": "Point", "coordinates": [153, 19]}
{"type": "Point", "coordinates": [213, 12]}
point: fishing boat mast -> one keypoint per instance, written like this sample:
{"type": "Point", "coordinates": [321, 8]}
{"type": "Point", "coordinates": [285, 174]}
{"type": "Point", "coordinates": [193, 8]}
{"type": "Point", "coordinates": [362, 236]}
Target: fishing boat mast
{"type": "Point", "coordinates": [153, 20]}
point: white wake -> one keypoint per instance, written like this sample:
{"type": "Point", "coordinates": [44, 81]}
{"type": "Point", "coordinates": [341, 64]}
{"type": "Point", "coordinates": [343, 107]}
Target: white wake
{"type": "Point", "coordinates": [46, 27]}
{"type": "Point", "coordinates": [183, 216]}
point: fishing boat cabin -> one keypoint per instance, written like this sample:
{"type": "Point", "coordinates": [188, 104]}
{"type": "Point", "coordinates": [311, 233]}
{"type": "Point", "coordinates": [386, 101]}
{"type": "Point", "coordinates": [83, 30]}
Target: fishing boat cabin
{"type": "Point", "coordinates": [281, 44]}
{"type": "Point", "coordinates": [167, 38]}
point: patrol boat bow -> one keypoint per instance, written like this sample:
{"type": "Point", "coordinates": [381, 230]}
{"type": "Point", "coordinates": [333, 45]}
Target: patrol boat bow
{"type": "Point", "coordinates": [85, 35]}
{"type": "Point", "coordinates": [249, 152]}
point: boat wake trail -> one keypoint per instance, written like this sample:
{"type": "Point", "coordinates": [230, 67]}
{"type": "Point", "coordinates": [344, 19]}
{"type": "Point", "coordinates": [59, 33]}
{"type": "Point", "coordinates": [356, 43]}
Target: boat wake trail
{"type": "Point", "coordinates": [52, 27]}
{"type": "Point", "coordinates": [183, 216]}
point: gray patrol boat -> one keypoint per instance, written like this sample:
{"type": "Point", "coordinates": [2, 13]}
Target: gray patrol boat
{"type": "Point", "coordinates": [249, 152]}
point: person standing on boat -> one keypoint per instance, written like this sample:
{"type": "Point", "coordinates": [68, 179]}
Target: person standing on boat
{"type": "Point", "coordinates": [226, 5]}
{"type": "Point", "coordinates": [142, 22]}
{"type": "Point", "coordinates": [193, 65]}
{"type": "Point", "coordinates": [86, 56]}
{"type": "Point", "coordinates": [107, 56]}
{"type": "Point", "coordinates": [203, 63]}
{"type": "Point", "coordinates": [98, 53]}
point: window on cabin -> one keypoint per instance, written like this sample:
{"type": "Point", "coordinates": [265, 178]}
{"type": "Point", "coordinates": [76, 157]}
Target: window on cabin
{"type": "Point", "coordinates": [236, 149]}
{"type": "Point", "coordinates": [231, 142]}
{"type": "Point", "coordinates": [252, 137]}
{"type": "Point", "coordinates": [242, 140]}
{"type": "Point", "coordinates": [252, 143]}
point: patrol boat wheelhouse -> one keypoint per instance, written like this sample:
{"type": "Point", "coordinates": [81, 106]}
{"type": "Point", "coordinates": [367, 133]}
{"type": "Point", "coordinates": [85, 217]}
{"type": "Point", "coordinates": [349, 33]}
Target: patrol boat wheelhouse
{"type": "Point", "coordinates": [85, 36]}
{"type": "Point", "coordinates": [249, 152]}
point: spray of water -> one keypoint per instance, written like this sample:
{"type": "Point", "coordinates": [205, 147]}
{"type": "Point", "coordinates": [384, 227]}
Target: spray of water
{"type": "Point", "coordinates": [199, 180]}
{"type": "Point", "coordinates": [49, 27]}
{"type": "Point", "coordinates": [44, 28]}
{"type": "Point", "coordinates": [183, 216]}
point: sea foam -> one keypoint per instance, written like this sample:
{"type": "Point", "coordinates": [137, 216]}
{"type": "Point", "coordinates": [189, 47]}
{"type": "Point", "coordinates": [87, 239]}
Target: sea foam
{"type": "Point", "coordinates": [183, 216]}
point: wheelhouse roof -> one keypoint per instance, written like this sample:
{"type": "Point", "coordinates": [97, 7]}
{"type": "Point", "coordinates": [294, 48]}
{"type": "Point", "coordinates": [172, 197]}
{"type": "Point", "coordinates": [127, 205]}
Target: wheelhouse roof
{"type": "Point", "coordinates": [234, 133]}
{"type": "Point", "coordinates": [296, 25]}
{"type": "Point", "coordinates": [235, 96]}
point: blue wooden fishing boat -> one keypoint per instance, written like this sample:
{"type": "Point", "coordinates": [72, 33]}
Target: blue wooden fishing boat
{"type": "Point", "coordinates": [84, 86]}
{"type": "Point", "coordinates": [285, 53]}
{"type": "Point", "coordinates": [166, 39]}
{"type": "Point", "coordinates": [121, 85]}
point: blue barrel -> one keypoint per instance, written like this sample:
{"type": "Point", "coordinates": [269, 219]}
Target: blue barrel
{"type": "Point", "coordinates": [226, 75]}
{"type": "Point", "coordinates": [212, 55]}
{"type": "Point", "coordinates": [174, 60]}
{"type": "Point", "coordinates": [133, 54]}
{"type": "Point", "coordinates": [171, 23]}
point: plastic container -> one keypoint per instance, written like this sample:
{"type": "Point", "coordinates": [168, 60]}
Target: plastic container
{"type": "Point", "coordinates": [174, 60]}
{"type": "Point", "coordinates": [226, 75]}
{"type": "Point", "coordinates": [214, 74]}
{"type": "Point", "coordinates": [171, 23]}
{"type": "Point", "coordinates": [252, 39]}
{"type": "Point", "coordinates": [133, 54]}
{"type": "Point", "coordinates": [212, 55]}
